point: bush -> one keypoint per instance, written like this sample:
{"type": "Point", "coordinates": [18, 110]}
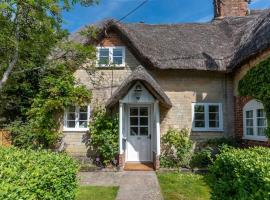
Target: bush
{"type": "Point", "coordinates": [28, 174]}
{"type": "Point", "coordinates": [104, 134]}
{"type": "Point", "coordinates": [176, 148]}
{"type": "Point", "coordinates": [241, 174]}
{"type": "Point", "coordinates": [202, 159]}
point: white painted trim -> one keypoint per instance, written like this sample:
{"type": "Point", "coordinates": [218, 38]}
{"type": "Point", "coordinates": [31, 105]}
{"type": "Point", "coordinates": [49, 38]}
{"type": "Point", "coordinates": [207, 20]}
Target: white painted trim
{"type": "Point", "coordinates": [206, 117]}
{"type": "Point", "coordinates": [110, 64]}
{"type": "Point", "coordinates": [252, 105]}
{"type": "Point", "coordinates": [120, 128]}
{"type": "Point", "coordinates": [76, 128]}
{"type": "Point", "coordinates": [157, 120]}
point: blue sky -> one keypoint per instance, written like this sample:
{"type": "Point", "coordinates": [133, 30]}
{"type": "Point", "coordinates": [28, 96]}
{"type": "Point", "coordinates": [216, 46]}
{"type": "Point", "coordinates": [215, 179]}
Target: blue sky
{"type": "Point", "coordinates": [154, 12]}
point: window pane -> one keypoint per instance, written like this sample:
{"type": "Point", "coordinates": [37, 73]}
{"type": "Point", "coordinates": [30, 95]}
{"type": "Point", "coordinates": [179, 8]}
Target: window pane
{"type": "Point", "coordinates": [261, 122]}
{"type": "Point", "coordinates": [214, 109]}
{"type": "Point", "coordinates": [117, 60]}
{"type": "Point", "coordinates": [144, 131]}
{"type": "Point", "coordinates": [199, 116]}
{"type": "Point", "coordinates": [104, 52]}
{"type": "Point", "coordinates": [118, 52]}
{"type": "Point", "coordinates": [199, 108]}
{"type": "Point", "coordinates": [249, 131]}
{"type": "Point", "coordinates": [134, 121]}
{"type": "Point", "coordinates": [83, 116]}
{"type": "Point", "coordinates": [71, 116]}
{"type": "Point", "coordinates": [249, 122]}
{"type": "Point", "coordinates": [71, 124]}
{"type": "Point", "coordinates": [134, 111]}
{"type": "Point", "coordinates": [249, 114]}
{"type": "Point", "coordinates": [104, 60]}
{"type": "Point", "coordinates": [144, 121]}
{"type": "Point", "coordinates": [83, 124]}
{"type": "Point", "coordinates": [214, 124]}
{"type": "Point", "coordinates": [143, 111]}
{"type": "Point", "coordinates": [214, 116]}
{"type": "Point", "coordinates": [199, 124]}
{"type": "Point", "coordinates": [133, 131]}
{"type": "Point", "coordinates": [261, 131]}
{"type": "Point", "coordinates": [260, 113]}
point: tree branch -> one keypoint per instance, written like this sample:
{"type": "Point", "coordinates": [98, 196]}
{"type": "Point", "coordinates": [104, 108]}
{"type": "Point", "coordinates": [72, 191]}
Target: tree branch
{"type": "Point", "coordinates": [14, 61]}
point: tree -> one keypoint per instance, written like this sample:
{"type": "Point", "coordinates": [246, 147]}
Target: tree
{"type": "Point", "coordinates": [30, 30]}
{"type": "Point", "coordinates": [37, 62]}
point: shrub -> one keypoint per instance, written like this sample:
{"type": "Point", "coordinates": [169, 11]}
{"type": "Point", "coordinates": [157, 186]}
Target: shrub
{"type": "Point", "coordinates": [202, 159]}
{"type": "Point", "coordinates": [104, 135]}
{"type": "Point", "coordinates": [241, 174]}
{"type": "Point", "coordinates": [28, 174]}
{"type": "Point", "coordinates": [176, 148]}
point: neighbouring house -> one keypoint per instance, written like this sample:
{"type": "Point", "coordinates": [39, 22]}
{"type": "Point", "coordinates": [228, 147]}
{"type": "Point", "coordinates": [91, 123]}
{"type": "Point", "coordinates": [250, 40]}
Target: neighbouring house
{"type": "Point", "coordinates": [175, 76]}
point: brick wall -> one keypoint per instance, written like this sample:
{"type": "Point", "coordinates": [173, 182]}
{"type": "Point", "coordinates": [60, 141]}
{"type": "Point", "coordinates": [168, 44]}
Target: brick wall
{"type": "Point", "coordinates": [228, 8]}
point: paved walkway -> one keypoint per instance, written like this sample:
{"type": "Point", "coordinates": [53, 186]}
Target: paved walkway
{"type": "Point", "coordinates": [132, 185]}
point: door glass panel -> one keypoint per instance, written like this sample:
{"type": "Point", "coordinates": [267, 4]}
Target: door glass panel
{"type": "Point", "coordinates": [134, 112]}
{"type": "Point", "coordinates": [134, 121]}
{"type": "Point", "coordinates": [143, 130]}
{"type": "Point", "coordinates": [144, 121]}
{"type": "Point", "coordinates": [143, 111]}
{"type": "Point", "coordinates": [133, 131]}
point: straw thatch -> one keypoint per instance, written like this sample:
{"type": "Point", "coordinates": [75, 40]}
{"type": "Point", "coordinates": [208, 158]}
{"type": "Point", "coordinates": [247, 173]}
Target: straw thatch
{"type": "Point", "coordinates": [141, 75]}
{"type": "Point", "coordinates": [220, 45]}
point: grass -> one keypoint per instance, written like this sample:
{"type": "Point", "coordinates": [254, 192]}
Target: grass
{"type": "Point", "coordinates": [179, 186]}
{"type": "Point", "coordinates": [96, 193]}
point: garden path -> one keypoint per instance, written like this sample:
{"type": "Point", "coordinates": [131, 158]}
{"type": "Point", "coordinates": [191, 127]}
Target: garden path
{"type": "Point", "coordinates": [133, 185]}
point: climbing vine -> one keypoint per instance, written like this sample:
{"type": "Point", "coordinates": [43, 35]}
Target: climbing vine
{"type": "Point", "coordinates": [256, 84]}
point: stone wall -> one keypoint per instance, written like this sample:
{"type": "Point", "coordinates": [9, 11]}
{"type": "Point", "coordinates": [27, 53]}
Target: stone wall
{"type": "Point", "coordinates": [229, 8]}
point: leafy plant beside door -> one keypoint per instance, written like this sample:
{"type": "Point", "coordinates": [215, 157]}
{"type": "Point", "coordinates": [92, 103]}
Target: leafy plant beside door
{"type": "Point", "coordinates": [104, 135]}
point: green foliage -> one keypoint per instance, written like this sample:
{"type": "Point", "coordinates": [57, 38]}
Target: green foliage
{"type": "Point", "coordinates": [241, 174]}
{"type": "Point", "coordinates": [256, 83]}
{"type": "Point", "coordinates": [218, 142]}
{"type": "Point", "coordinates": [58, 90]}
{"type": "Point", "coordinates": [31, 175]}
{"type": "Point", "coordinates": [202, 159]}
{"type": "Point", "coordinates": [104, 135]}
{"type": "Point", "coordinates": [42, 83]}
{"type": "Point", "coordinates": [183, 186]}
{"type": "Point", "coordinates": [176, 148]}
{"type": "Point", "coordinates": [97, 193]}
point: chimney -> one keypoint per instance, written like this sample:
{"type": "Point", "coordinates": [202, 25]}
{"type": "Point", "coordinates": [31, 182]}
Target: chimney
{"type": "Point", "coordinates": [230, 8]}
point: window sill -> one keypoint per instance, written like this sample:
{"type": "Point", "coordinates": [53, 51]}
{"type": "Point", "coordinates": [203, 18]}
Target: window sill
{"type": "Point", "coordinates": [75, 129]}
{"type": "Point", "coordinates": [206, 130]}
{"type": "Point", "coordinates": [256, 138]}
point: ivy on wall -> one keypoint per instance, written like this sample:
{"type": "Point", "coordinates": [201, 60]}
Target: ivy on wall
{"type": "Point", "coordinates": [256, 84]}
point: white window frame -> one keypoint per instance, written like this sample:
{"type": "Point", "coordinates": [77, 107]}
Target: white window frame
{"type": "Point", "coordinates": [110, 64]}
{"type": "Point", "coordinates": [206, 117]}
{"type": "Point", "coordinates": [76, 128]}
{"type": "Point", "coordinates": [253, 105]}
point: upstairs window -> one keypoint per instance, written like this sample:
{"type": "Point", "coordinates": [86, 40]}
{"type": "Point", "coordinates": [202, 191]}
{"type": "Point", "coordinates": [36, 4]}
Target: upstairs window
{"type": "Point", "coordinates": [76, 118]}
{"type": "Point", "coordinates": [255, 122]}
{"type": "Point", "coordinates": [207, 117]}
{"type": "Point", "coordinates": [111, 56]}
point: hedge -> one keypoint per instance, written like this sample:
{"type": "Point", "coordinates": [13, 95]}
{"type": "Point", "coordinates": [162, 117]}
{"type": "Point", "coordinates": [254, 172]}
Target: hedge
{"type": "Point", "coordinates": [241, 174]}
{"type": "Point", "coordinates": [32, 175]}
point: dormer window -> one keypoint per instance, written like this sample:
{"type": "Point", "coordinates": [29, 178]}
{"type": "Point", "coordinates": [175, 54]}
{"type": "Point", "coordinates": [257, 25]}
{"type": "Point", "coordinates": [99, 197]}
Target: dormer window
{"type": "Point", "coordinates": [111, 56]}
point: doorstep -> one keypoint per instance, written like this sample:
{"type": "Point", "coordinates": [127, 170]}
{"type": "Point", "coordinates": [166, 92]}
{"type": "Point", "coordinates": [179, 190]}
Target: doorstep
{"type": "Point", "coordinates": [138, 166]}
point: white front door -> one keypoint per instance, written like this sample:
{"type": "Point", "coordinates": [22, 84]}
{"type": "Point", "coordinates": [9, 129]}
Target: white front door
{"type": "Point", "coordinates": [139, 134]}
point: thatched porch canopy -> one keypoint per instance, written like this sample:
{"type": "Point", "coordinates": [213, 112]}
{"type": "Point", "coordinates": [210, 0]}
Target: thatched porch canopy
{"type": "Point", "coordinates": [142, 76]}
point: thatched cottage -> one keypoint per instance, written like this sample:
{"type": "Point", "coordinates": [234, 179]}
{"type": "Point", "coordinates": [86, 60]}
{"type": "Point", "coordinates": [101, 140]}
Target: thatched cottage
{"type": "Point", "coordinates": [176, 75]}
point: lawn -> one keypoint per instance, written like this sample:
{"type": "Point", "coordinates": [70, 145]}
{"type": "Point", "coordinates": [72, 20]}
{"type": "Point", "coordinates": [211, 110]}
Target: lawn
{"type": "Point", "coordinates": [96, 193]}
{"type": "Point", "coordinates": [183, 186]}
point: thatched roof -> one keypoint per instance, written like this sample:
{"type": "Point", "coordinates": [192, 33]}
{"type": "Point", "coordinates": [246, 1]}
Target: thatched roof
{"type": "Point", "coordinates": [141, 75]}
{"type": "Point", "coordinates": [220, 45]}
